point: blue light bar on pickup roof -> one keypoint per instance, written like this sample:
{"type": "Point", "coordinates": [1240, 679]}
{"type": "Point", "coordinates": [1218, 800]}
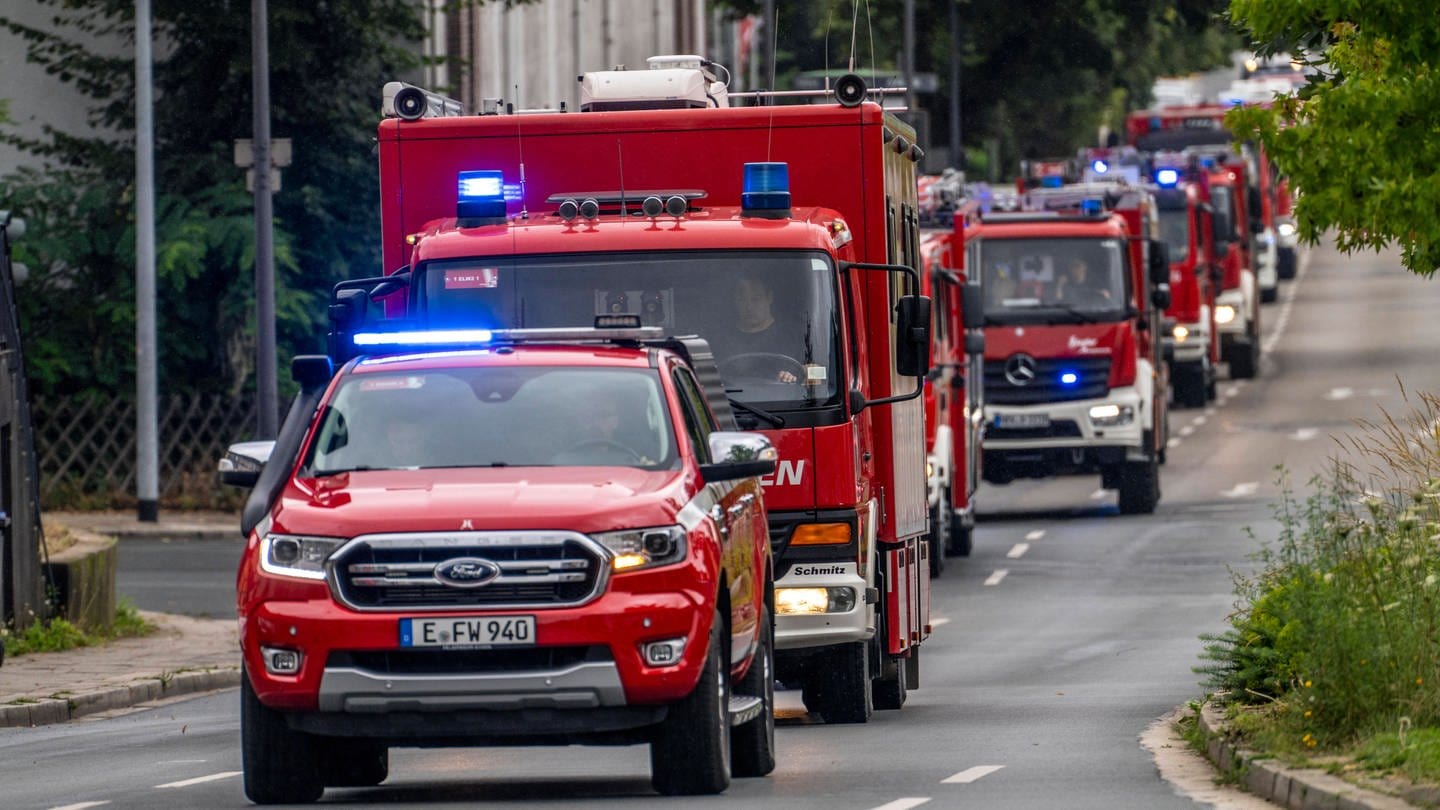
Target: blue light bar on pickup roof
{"type": "Point", "coordinates": [433, 337]}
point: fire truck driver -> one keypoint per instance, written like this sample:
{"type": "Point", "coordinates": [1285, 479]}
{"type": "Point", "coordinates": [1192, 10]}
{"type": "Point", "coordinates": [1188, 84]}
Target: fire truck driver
{"type": "Point", "coordinates": [1078, 287]}
{"type": "Point", "coordinates": [753, 341]}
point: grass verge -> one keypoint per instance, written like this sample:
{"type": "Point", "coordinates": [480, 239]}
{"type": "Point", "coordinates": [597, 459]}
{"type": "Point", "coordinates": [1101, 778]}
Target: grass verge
{"type": "Point", "coordinates": [57, 635]}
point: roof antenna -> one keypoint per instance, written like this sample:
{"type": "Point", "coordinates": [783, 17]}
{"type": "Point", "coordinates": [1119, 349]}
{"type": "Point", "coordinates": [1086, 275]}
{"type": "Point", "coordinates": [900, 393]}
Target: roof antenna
{"type": "Point", "coordinates": [774, 40]}
{"type": "Point", "coordinates": [829, 12]}
{"type": "Point", "coordinates": [620, 156]}
{"type": "Point", "coordinates": [520, 146]}
{"type": "Point", "coordinates": [854, 30]}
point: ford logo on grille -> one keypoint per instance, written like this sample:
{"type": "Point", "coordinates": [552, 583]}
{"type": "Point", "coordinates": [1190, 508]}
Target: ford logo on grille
{"type": "Point", "coordinates": [466, 572]}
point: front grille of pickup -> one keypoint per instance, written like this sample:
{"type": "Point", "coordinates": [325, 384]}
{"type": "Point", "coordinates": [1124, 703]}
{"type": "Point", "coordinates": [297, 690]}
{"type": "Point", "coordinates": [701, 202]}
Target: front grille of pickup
{"type": "Point", "coordinates": [1092, 381]}
{"type": "Point", "coordinates": [470, 662]}
{"type": "Point", "coordinates": [528, 570]}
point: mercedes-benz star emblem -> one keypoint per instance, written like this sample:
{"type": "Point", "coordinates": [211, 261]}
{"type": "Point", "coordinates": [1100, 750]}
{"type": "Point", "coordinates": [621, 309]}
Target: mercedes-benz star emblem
{"type": "Point", "coordinates": [1020, 369]}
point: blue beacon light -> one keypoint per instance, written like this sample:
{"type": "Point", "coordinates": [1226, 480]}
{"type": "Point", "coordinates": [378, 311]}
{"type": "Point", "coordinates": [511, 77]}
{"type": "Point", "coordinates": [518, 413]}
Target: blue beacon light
{"type": "Point", "coordinates": [434, 337]}
{"type": "Point", "coordinates": [1069, 378]}
{"type": "Point", "coordinates": [1100, 167]}
{"type": "Point", "coordinates": [1167, 177]}
{"type": "Point", "coordinates": [481, 195]}
{"type": "Point", "coordinates": [766, 188]}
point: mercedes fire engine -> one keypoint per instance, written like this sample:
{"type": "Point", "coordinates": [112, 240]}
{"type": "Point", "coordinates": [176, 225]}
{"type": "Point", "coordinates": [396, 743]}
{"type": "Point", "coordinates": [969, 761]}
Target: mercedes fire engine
{"type": "Point", "coordinates": [1074, 287]}
{"type": "Point", "coordinates": [526, 537]}
{"type": "Point", "coordinates": [787, 237]}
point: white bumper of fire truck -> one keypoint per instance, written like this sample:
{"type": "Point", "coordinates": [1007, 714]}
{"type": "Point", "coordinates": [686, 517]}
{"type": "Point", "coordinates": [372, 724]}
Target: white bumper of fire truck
{"type": "Point", "coordinates": [1267, 260]}
{"type": "Point", "coordinates": [938, 466]}
{"type": "Point", "coordinates": [1233, 308]}
{"type": "Point", "coordinates": [1117, 419]}
{"type": "Point", "coordinates": [810, 586]}
{"type": "Point", "coordinates": [1191, 340]}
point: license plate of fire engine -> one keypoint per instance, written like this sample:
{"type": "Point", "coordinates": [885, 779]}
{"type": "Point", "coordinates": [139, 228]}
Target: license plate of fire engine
{"type": "Point", "coordinates": [1022, 420]}
{"type": "Point", "coordinates": [468, 631]}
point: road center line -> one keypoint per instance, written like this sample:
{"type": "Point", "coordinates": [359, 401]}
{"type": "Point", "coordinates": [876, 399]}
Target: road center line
{"type": "Point", "coordinates": [214, 777]}
{"type": "Point", "coordinates": [81, 806]}
{"type": "Point", "coordinates": [994, 579]}
{"type": "Point", "coordinates": [939, 621]}
{"type": "Point", "coordinates": [969, 775]}
{"type": "Point", "coordinates": [1173, 442]}
{"type": "Point", "coordinates": [1018, 551]}
{"type": "Point", "coordinates": [903, 804]}
{"type": "Point", "coordinates": [1035, 535]}
{"type": "Point", "coordinates": [1188, 430]}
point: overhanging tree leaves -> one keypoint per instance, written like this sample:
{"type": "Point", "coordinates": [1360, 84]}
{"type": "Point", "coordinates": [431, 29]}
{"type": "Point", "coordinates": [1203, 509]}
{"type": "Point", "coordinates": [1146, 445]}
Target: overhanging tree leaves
{"type": "Point", "coordinates": [1361, 142]}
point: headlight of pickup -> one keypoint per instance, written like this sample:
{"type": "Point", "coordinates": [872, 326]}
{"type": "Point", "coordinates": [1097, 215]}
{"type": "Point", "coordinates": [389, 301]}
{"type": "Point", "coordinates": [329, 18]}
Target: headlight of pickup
{"type": "Point", "coordinates": [645, 548]}
{"type": "Point", "coordinates": [295, 556]}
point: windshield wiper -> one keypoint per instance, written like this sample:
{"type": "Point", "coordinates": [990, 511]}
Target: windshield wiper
{"type": "Point", "coordinates": [361, 468]}
{"type": "Point", "coordinates": [1085, 317]}
{"type": "Point", "coordinates": [773, 419]}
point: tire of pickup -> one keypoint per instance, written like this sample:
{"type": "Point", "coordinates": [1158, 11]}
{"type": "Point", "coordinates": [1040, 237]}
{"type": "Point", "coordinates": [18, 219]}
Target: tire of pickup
{"type": "Point", "coordinates": [1139, 487]}
{"type": "Point", "coordinates": [280, 765]}
{"type": "Point", "coordinates": [752, 745]}
{"type": "Point", "coordinates": [355, 763]}
{"type": "Point", "coordinates": [690, 752]}
{"type": "Point", "coordinates": [838, 688]}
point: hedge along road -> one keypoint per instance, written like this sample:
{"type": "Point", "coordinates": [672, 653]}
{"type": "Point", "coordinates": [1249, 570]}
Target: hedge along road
{"type": "Point", "coordinates": [1036, 687]}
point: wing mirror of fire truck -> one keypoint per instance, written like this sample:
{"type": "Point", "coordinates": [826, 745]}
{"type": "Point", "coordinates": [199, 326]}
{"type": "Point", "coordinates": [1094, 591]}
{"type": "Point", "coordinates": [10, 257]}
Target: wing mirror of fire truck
{"type": "Point", "coordinates": [975, 343]}
{"type": "Point", "coordinates": [312, 371]}
{"type": "Point", "coordinates": [972, 306]}
{"type": "Point", "coordinates": [1160, 296]}
{"type": "Point", "coordinates": [912, 330]}
{"type": "Point", "coordinates": [243, 461]}
{"type": "Point", "coordinates": [1159, 262]}
{"type": "Point", "coordinates": [736, 454]}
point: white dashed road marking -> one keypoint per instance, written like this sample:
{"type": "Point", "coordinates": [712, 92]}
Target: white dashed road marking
{"type": "Point", "coordinates": [1173, 443]}
{"type": "Point", "coordinates": [1188, 430]}
{"type": "Point", "coordinates": [1210, 411]}
{"type": "Point", "coordinates": [994, 579]}
{"type": "Point", "coordinates": [939, 621]}
{"type": "Point", "coordinates": [80, 806]}
{"type": "Point", "coordinates": [1035, 535]}
{"type": "Point", "coordinates": [1336, 394]}
{"type": "Point", "coordinates": [1018, 551]}
{"type": "Point", "coordinates": [200, 780]}
{"type": "Point", "coordinates": [969, 775]}
{"type": "Point", "coordinates": [903, 804]}
{"type": "Point", "coordinates": [1244, 490]}
{"type": "Point", "coordinates": [1305, 434]}
{"type": "Point", "coordinates": [1232, 391]}
{"type": "Point", "coordinates": [1199, 420]}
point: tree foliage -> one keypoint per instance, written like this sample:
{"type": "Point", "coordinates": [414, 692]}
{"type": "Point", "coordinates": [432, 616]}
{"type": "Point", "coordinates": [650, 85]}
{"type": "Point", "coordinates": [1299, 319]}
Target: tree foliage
{"type": "Point", "coordinates": [1361, 142]}
{"type": "Point", "coordinates": [328, 62]}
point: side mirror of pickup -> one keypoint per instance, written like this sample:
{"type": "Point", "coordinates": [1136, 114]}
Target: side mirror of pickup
{"type": "Point", "coordinates": [737, 454]}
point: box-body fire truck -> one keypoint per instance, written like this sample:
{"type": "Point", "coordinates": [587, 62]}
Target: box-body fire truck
{"type": "Point", "coordinates": [1074, 287]}
{"type": "Point", "coordinates": [1234, 201]}
{"type": "Point", "coordinates": [797, 268]}
{"type": "Point", "coordinates": [497, 538]}
{"type": "Point", "coordinates": [1191, 336]}
{"type": "Point", "coordinates": [954, 413]}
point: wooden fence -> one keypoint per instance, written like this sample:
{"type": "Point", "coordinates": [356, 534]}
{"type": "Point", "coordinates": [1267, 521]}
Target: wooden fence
{"type": "Point", "coordinates": [86, 448]}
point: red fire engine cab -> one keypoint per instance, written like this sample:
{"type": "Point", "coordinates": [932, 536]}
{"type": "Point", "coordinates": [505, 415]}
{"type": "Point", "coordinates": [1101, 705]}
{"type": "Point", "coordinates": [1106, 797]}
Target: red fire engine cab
{"type": "Point", "coordinates": [1235, 208]}
{"type": "Point", "coordinates": [1186, 227]}
{"type": "Point", "coordinates": [1074, 287]}
{"type": "Point", "coordinates": [468, 537]}
{"type": "Point", "coordinates": [954, 416]}
{"type": "Point", "coordinates": [787, 237]}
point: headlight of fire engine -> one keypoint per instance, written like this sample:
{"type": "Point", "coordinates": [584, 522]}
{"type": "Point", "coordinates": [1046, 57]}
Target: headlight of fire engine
{"type": "Point", "coordinates": [293, 556]}
{"type": "Point", "coordinates": [645, 548]}
{"type": "Point", "coordinates": [801, 601]}
{"type": "Point", "coordinates": [1110, 415]}
{"type": "Point", "coordinates": [1181, 333]}
{"type": "Point", "coordinates": [1224, 313]}
{"type": "Point", "coordinates": [1287, 229]}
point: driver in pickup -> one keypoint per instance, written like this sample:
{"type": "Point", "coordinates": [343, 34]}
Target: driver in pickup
{"type": "Point", "coordinates": [756, 335]}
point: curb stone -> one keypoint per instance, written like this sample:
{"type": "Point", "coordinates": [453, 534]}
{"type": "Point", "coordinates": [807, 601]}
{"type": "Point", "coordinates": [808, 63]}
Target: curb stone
{"type": "Point", "coordinates": [1294, 788]}
{"type": "Point", "coordinates": [62, 710]}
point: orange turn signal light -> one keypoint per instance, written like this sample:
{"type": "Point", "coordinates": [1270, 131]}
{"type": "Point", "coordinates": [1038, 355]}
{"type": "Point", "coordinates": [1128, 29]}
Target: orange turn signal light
{"type": "Point", "coordinates": [821, 534]}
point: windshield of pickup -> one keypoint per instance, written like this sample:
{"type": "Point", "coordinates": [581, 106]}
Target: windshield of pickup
{"type": "Point", "coordinates": [514, 416]}
{"type": "Point", "coordinates": [769, 316]}
{"type": "Point", "coordinates": [1053, 280]}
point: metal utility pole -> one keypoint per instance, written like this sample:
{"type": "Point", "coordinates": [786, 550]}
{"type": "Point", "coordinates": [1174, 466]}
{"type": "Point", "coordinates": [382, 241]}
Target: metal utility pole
{"type": "Point", "coordinates": [957, 146]}
{"type": "Point", "coordinates": [909, 46]}
{"type": "Point", "coordinates": [147, 444]}
{"type": "Point", "coordinates": [267, 394]}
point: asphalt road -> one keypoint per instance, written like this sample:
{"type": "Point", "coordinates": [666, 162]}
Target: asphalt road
{"type": "Point", "coordinates": [193, 577]}
{"type": "Point", "coordinates": [1065, 635]}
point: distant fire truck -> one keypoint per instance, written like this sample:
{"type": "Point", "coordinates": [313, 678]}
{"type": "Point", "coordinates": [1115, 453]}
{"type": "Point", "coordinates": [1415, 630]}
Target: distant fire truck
{"type": "Point", "coordinates": [787, 237]}
{"type": "Point", "coordinates": [1187, 228]}
{"type": "Point", "coordinates": [1075, 285]}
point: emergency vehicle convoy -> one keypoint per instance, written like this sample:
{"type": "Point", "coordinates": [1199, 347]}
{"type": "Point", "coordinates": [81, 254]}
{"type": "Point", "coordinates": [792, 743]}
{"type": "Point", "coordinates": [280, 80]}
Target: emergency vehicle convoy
{"type": "Point", "coordinates": [1074, 287]}
{"type": "Point", "coordinates": [954, 417]}
{"type": "Point", "coordinates": [518, 537]}
{"type": "Point", "coordinates": [1186, 227]}
{"type": "Point", "coordinates": [787, 237]}
{"type": "Point", "coordinates": [1236, 200]}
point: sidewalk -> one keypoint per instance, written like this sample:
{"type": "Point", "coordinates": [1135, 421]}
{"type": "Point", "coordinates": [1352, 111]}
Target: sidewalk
{"type": "Point", "coordinates": [183, 655]}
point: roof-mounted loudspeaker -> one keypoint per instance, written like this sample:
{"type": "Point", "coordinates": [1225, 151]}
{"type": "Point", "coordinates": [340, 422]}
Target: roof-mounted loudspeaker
{"type": "Point", "coordinates": [850, 90]}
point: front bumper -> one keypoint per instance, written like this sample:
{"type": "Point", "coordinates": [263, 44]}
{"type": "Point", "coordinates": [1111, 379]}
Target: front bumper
{"type": "Point", "coordinates": [799, 631]}
{"type": "Point", "coordinates": [1071, 443]}
{"type": "Point", "coordinates": [1238, 326]}
{"type": "Point", "coordinates": [1195, 345]}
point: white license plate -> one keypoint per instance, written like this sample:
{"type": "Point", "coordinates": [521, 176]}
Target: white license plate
{"type": "Point", "coordinates": [468, 631]}
{"type": "Point", "coordinates": [1021, 421]}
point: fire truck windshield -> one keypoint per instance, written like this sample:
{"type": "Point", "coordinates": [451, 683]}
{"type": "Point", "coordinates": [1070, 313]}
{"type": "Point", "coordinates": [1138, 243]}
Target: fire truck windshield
{"type": "Point", "coordinates": [1175, 232]}
{"type": "Point", "coordinates": [515, 416]}
{"type": "Point", "coordinates": [770, 317]}
{"type": "Point", "coordinates": [1053, 280]}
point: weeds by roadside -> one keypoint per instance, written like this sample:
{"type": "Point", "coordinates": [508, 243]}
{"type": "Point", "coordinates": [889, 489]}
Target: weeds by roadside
{"type": "Point", "coordinates": [60, 634]}
{"type": "Point", "coordinates": [1335, 643]}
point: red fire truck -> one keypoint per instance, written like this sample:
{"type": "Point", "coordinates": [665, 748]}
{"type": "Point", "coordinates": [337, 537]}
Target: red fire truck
{"type": "Point", "coordinates": [1074, 289]}
{"type": "Point", "coordinates": [1199, 131]}
{"type": "Point", "coordinates": [784, 235]}
{"type": "Point", "coordinates": [1191, 335]}
{"type": "Point", "coordinates": [493, 538]}
{"type": "Point", "coordinates": [954, 415]}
